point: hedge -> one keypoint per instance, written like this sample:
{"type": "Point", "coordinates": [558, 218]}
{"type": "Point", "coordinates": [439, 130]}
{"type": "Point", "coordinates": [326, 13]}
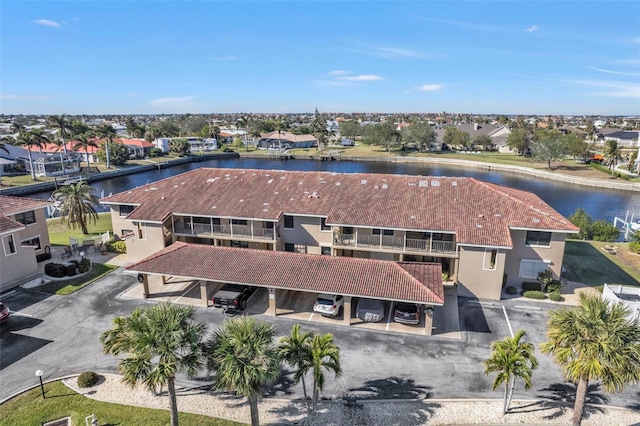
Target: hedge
{"type": "Point", "coordinates": [42, 257]}
{"type": "Point", "coordinates": [87, 379]}
{"type": "Point", "coordinates": [531, 286]}
{"type": "Point", "coordinates": [116, 246]}
{"type": "Point", "coordinates": [534, 294]}
{"type": "Point", "coordinates": [556, 296]}
{"type": "Point", "coordinates": [511, 290]}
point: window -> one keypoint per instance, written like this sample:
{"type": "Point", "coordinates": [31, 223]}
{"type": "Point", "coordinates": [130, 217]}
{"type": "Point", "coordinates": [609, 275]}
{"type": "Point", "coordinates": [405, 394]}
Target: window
{"type": "Point", "coordinates": [238, 222]}
{"type": "Point", "coordinates": [347, 230]}
{"type": "Point", "coordinates": [216, 221]}
{"type": "Point", "coordinates": [140, 233]}
{"type": "Point", "coordinates": [325, 250]}
{"type": "Point", "coordinates": [241, 244]}
{"type": "Point", "coordinates": [32, 242]}
{"type": "Point", "coordinates": [295, 248]}
{"type": "Point", "coordinates": [125, 210]}
{"type": "Point", "coordinates": [375, 231]}
{"type": "Point", "coordinates": [529, 268]}
{"type": "Point", "coordinates": [9, 245]}
{"type": "Point", "coordinates": [126, 232]}
{"type": "Point", "coordinates": [288, 222]}
{"type": "Point", "coordinates": [268, 225]}
{"type": "Point", "coordinates": [490, 259]}
{"type": "Point", "coordinates": [26, 218]}
{"type": "Point", "coordinates": [385, 232]}
{"type": "Point", "coordinates": [201, 220]}
{"type": "Point", "coordinates": [289, 247]}
{"type": "Point", "coordinates": [538, 238]}
{"type": "Point", "coordinates": [323, 224]}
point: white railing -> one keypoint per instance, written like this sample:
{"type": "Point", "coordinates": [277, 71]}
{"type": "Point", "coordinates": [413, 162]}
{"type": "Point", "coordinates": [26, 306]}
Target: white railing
{"type": "Point", "coordinates": [224, 230]}
{"type": "Point", "coordinates": [386, 242]}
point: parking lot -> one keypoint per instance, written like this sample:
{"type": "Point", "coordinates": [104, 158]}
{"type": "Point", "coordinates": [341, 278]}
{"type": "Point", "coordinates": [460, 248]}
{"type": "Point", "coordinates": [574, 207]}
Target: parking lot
{"type": "Point", "coordinates": [298, 306]}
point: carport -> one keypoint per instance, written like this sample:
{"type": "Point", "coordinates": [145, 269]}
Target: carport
{"type": "Point", "coordinates": [284, 271]}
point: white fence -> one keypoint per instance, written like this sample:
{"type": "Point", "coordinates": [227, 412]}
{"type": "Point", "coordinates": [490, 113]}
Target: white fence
{"type": "Point", "coordinates": [628, 296]}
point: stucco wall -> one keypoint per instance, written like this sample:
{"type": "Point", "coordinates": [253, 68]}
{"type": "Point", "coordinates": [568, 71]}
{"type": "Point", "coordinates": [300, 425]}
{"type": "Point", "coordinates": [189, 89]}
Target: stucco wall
{"type": "Point", "coordinates": [37, 229]}
{"type": "Point", "coordinates": [475, 276]}
{"type": "Point", "coordinates": [552, 255]}
{"type": "Point", "coordinates": [14, 267]}
{"type": "Point", "coordinates": [152, 240]}
{"type": "Point", "coordinates": [305, 231]}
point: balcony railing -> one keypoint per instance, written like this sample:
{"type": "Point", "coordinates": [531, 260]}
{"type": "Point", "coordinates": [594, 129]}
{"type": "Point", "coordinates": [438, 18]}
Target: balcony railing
{"type": "Point", "coordinates": [400, 244]}
{"type": "Point", "coordinates": [226, 230]}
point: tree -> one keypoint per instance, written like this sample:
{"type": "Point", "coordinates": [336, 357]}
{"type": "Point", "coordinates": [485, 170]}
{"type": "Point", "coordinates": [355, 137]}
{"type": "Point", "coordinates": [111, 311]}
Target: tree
{"type": "Point", "coordinates": [180, 147]}
{"type": "Point", "coordinates": [28, 140]}
{"type": "Point", "coordinates": [78, 203]}
{"type": "Point", "coordinates": [63, 126]}
{"type": "Point", "coordinates": [159, 341]}
{"type": "Point", "coordinates": [106, 132]}
{"type": "Point", "coordinates": [632, 162]}
{"type": "Point", "coordinates": [582, 220]}
{"type": "Point", "coordinates": [422, 134]}
{"type": "Point", "coordinates": [350, 129]}
{"type": "Point", "coordinates": [601, 230]}
{"type": "Point", "coordinates": [576, 146]}
{"type": "Point", "coordinates": [295, 349]}
{"type": "Point", "coordinates": [519, 139]}
{"type": "Point", "coordinates": [548, 146]}
{"type": "Point", "coordinates": [325, 355]}
{"type": "Point", "coordinates": [244, 358]}
{"type": "Point", "coordinates": [483, 140]}
{"type": "Point", "coordinates": [385, 135]}
{"type": "Point", "coordinates": [84, 141]}
{"type": "Point", "coordinates": [612, 154]}
{"type": "Point", "coordinates": [118, 153]}
{"type": "Point", "coordinates": [594, 341]}
{"type": "Point", "coordinates": [512, 359]}
{"type": "Point", "coordinates": [42, 136]}
{"type": "Point", "coordinates": [456, 138]}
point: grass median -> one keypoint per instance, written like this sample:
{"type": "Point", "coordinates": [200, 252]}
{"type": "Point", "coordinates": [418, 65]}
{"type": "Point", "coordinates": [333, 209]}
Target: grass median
{"type": "Point", "coordinates": [30, 409]}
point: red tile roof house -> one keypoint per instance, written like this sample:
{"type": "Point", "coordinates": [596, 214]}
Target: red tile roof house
{"type": "Point", "coordinates": [23, 235]}
{"type": "Point", "coordinates": [479, 233]}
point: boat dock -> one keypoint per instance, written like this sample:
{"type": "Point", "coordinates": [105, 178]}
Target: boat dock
{"type": "Point", "coordinates": [279, 154]}
{"type": "Point", "coordinates": [628, 224]}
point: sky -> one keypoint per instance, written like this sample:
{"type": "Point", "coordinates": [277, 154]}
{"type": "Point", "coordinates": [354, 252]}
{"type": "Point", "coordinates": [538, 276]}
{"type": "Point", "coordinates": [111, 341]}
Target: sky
{"type": "Point", "coordinates": [151, 57]}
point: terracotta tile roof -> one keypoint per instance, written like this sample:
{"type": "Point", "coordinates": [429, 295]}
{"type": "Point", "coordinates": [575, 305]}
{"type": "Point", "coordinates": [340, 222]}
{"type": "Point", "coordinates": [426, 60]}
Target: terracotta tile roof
{"type": "Point", "coordinates": [478, 212]}
{"type": "Point", "coordinates": [12, 205]}
{"type": "Point", "coordinates": [411, 282]}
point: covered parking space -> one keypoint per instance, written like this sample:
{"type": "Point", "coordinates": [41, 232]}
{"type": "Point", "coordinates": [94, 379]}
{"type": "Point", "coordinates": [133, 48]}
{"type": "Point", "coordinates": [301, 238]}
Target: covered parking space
{"type": "Point", "coordinates": [291, 280]}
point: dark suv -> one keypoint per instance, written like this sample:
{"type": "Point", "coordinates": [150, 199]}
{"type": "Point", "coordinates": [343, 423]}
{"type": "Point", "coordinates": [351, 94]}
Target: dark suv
{"type": "Point", "coordinates": [407, 313]}
{"type": "Point", "coordinates": [233, 297]}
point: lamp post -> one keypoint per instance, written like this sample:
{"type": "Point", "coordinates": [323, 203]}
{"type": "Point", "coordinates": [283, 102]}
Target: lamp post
{"type": "Point", "coordinates": [39, 374]}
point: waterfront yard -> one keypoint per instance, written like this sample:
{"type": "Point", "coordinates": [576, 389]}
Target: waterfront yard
{"type": "Point", "coordinates": [30, 409]}
{"type": "Point", "coordinates": [59, 232]}
{"type": "Point", "coordinates": [587, 263]}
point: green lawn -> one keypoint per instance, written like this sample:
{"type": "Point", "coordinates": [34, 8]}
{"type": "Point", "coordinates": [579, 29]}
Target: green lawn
{"type": "Point", "coordinates": [72, 285]}
{"type": "Point", "coordinates": [59, 232]}
{"type": "Point", "coordinates": [30, 409]}
{"type": "Point", "coordinates": [588, 264]}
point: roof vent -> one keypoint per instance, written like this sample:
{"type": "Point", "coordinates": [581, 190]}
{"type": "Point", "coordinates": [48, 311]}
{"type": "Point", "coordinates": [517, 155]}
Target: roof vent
{"type": "Point", "coordinates": [241, 201]}
{"type": "Point", "coordinates": [385, 186]}
{"type": "Point", "coordinates": [412, 217]}
{"type": "Point", "coordinates": [314, 195]}
{"type": "Point", "coordinates": [265, 204]}
{"type": "Point", "coordinates": [338, 184]}
{"type": "Point", "coordinates": [497, 215]}
{"type": "Point", "coordinates": [214, 207]}
{"type": "Point", "coordinates": [270, 180]}
{"type": "Point", "coordinates": [411, 184]}
{"type": "Point", "coordinates": [481, 216]}
{"type": "Point", "coordinates": [282, 177]}
{"type": "Point", "coordinates": [435, 183]}
{"type": "Point", "coordinates": [454, 183]}
{"type": "Point", "coordinates": [276, 193]}
{"type": "Point", "coordinates": [478, 225]}
{"type": "Point", "coordinates": [536, 220]}
{"type": "Point", "coordinates": [363, 182]}
{"type": "Point", "coordinates": [210, 180]}
{"type": "Point", "coordinates": [423, 183]}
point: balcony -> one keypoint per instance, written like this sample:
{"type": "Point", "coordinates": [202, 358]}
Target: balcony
{"type": "Point", "coordinates": [243, 232]}
{"type": "Point", "coordinates": [395, 244]}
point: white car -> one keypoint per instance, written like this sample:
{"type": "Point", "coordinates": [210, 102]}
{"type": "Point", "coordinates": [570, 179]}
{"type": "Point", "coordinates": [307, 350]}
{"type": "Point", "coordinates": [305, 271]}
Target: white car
{"type": "Point", "coordinates": [329, 305]}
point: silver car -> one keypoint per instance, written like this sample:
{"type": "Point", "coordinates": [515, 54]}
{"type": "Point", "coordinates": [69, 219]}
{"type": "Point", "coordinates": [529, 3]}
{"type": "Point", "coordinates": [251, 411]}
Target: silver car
{"type": "Point", "coordinates": [370, 310]}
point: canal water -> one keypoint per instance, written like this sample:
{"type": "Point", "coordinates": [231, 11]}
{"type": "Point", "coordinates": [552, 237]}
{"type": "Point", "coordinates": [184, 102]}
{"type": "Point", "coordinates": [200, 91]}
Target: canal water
{"type": "Point", "coordinates": [565, 198]}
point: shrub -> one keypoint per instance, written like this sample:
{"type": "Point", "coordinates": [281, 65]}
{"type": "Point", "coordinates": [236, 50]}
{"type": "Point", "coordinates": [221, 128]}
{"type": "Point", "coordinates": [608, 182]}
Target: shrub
{"type": "Point", "coordinates": [534, 294]}
{"type": "Point", "coordinates": [227, 149]}
{"type": "Point", "coordinates": [554, 286]}
{"type": "Point", "coordinates": [116, 246]}
{"type": "Point", "coordinates": [87, 379]}
{"type": "Point", "coordinates": [156, 152]}
{"type": "Point", "coordinates": [71, 268]}
{"type": "Point", "coordinates": [56, 270]}
{"type": "Point", "coordinates": [634, 247]}
{"type": "Point", "coordinates": [511, 290]}
{"type": "Point", "coordinates": [545, 276]}
{"type": "Point", "coordinates": [531, 286]}
{"type": "Point", "coordinates": [556, 296]}
{"type": "Point", "coordinates": [445, 276]}
{"type": "Point", "coordinates": [42, 257]}
{"type": "Point", "coordinates": [84, 265]}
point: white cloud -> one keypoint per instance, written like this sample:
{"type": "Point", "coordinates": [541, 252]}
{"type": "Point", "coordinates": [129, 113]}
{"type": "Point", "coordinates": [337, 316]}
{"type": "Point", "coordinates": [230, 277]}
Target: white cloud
{"type": "Point", "coordinates": [363, 77]}
{"type": "Point", "coordinates": [46, 23]}
{"type": "Point", "coordinates": [532, 29]}
{"type": "Point", "coordinates": [224, 58]}
{"type": "Point", "coordinates": [612, 89]}
{"type": "Point", "coordinates": [133, 94]}
{"type": "Point", "coordinates": [633, 74]}
{"type": "Point", "coordinates": [430, 88]}
{"type": "Point", "coordinates": [338, 72]}
{"type": "Point", "coordinates": [181, 104]}
{"type": "Point", "coordinates": [25, 97]}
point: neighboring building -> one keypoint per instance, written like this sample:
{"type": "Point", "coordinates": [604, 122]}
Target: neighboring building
{"type": "Point", "coordinates": [23, 235]}
{"type": "Point", "coordinates": [497, 132]}
{"type": "Point", "coordinates": [483, 235]}
{"type": "Point", "coordinates": [197, 144]}
{"type": "Point", "coordinates": [138, 148]}
{"type": "Point", "coordinates": [45, 163]}
{"type": "Point", "coordinates": [625, 139]}
{"type": "Point", "coordinates": [286, 140]}
{"type": "Point", "coordinates": [627, 296]}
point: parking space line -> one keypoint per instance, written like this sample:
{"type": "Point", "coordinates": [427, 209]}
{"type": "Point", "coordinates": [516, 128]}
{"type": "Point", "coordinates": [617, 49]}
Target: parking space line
{"type": "Point", "coordinates": [389, 316]}
{"type": "Point", "coordinates": [311, 316]}
{"type": "Point", "coordinates": [187, 291]}
{"type": "Point", "coordinates": [8, 294]}
{"type": "Point", "coordinates": [507, 318]}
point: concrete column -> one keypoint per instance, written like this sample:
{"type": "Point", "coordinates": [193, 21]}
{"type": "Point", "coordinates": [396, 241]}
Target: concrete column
{"type": "Point", "coordinates": [145, 285]}
{"type": "Point", "coordinates": [203, 293]}
{"type": "Point", "coordinates": [346, 311]}
{"type": "Point", "coordinates": [428, 321]}
{"type": "Point", "coordinates": [272, 301]}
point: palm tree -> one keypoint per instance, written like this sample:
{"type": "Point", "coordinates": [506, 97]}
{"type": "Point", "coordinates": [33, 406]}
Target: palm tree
{"type": "Point", "coordinates": [159, 341]}
{"type": "Point", "coordinates": [612, 155]}
{"type": "Point", "coordinates": [3, 148]}
{"type": "Point", "coordinates": [18, 127]}
{"type": "Point", "coordinates": [594, 341]}
{"type": "Point", "coordinates": [107, 132]}
{"type": "Point", "coordinates": [131, 125]}
{"type": "Point", "coordinates": [63, 126]}
{"type": "Point", "coordinates": [41, 136]}
{"type": "Point", "coordinates": [512, 359]}
{"type": "Point", "coordinates": [295, 349]}
{"type": "Point", "coordinates": [83, 141]}
{"type": "Point", "coordinates": [78, 203]}
{"type": "Point", "coordinates": [244, 357]}
{"type": "Point", "coordinates": [324, 355]}
{"type": "Point", "coordinates": [60, 144]}
{"type": "Point", "coordinates": [28, 140]}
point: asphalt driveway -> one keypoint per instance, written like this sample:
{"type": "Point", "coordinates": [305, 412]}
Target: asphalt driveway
{"type": "Point", "coordinates": [59, 335]}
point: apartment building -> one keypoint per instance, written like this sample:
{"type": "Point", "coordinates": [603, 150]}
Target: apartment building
{"type": "Point", "coordinates": [482, 235]}
{"type": "Point", "coordinates": [23, 235]}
